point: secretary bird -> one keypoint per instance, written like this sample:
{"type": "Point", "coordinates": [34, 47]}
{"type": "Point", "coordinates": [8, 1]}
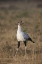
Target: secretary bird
{"type": "Point", "coordinates": [22, 37]}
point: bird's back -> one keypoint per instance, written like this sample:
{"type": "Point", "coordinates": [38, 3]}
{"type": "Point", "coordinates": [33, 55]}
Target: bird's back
{"type": "Point", "coordinates": [25, 35]}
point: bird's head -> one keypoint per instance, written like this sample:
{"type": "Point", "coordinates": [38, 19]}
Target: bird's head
{"type": "Point", "coordinates": [20, 23]}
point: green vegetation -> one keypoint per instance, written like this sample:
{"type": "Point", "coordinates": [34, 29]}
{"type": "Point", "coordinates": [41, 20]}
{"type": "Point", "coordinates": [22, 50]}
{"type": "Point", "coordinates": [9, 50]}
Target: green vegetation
{"type": "Point", "coordinates": [37, 26]}
{"type": "Point", "coordinates": [23, 14]}
{"type": "Point", "coordinates": [1, 16]}
{"type": "Point", "coordinates": [41, 14]}
{"type": "Point", "coordinates": [6, 12]}
{"type": "Point", "coordinates": [13, 12]}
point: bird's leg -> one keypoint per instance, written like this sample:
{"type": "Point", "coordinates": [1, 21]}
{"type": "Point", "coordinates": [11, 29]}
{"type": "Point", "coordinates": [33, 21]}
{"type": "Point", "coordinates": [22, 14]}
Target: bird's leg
{"type": "Point", "coordinates": [18, 47]}
{"type": "Point", "coordinates": [25, 47]}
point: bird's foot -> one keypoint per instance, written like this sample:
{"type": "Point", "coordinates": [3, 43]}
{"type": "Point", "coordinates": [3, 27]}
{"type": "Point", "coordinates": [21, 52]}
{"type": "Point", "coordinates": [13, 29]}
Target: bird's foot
{"type": "Point", "coordinates": [16, 52]}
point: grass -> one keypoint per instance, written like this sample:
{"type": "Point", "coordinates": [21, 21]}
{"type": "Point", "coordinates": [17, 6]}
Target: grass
{"type": "Point", "coordinates": [25, 29]}
{"type": "Point", "coordinates": [13, 7]}
{"type": "Point", "coordinates": [23, 14]}
{"type": "Point", "coordinates": [8, 28]}
{"type": "Point", "coordinates": [0, 24]}
{"type": "Point", "coordinates": [1, 16]}
{"type": "Point", "coordinates": [12, 17]}
{"type": "Point", "coordinates": [36, 27]}
{"type": "Point", "coordinates": [41, 14]}
{"type": "Point", "coordinates": [6, 12]}
{"type": "Point", "coordinates": [6, 47]}
{"type": "Point", "coordinates": [13, 12]}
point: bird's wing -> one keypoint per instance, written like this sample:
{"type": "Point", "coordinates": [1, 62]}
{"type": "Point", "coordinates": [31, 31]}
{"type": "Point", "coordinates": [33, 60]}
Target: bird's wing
{"type": "Point", "coordinates": [25, 35]}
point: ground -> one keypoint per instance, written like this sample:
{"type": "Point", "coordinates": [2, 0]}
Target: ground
{"type": "Point", "coordinates": [31, 15]}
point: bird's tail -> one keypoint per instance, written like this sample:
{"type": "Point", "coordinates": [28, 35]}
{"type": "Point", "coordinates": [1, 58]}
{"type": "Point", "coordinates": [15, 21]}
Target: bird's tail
{"type": "Point", "coordinates": [31, 40]}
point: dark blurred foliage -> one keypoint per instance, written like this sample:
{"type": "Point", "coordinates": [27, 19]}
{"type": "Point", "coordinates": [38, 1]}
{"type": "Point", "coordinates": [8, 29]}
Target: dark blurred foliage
{"type": "Point", "coordinates": [21, 0]}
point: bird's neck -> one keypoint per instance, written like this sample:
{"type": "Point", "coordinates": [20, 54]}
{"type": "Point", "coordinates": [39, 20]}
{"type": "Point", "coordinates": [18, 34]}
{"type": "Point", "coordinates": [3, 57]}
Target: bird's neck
{"type": "Point", "coordinates": [19, 28]}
